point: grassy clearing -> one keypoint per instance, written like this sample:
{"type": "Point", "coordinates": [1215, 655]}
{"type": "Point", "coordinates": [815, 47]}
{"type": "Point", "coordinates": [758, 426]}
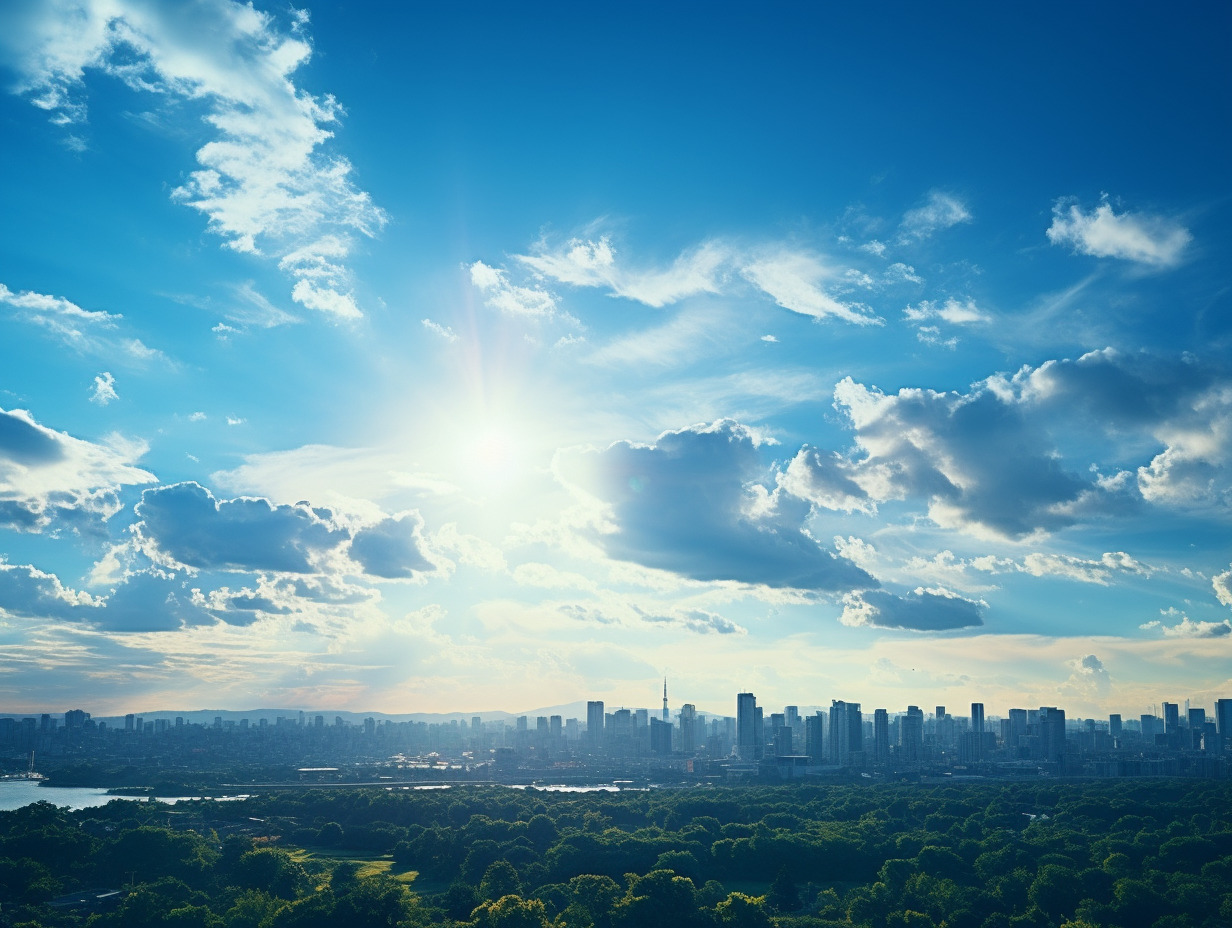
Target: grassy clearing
{"type": "Point", "coordinates": [369, 864]}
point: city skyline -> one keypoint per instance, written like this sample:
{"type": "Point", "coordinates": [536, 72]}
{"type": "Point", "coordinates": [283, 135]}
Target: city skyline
{"type": "Point", "coordinates": [443, 359]}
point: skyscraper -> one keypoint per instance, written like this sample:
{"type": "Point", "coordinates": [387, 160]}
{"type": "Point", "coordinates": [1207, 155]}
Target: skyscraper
{"type": "Point", "coordinates": [881, 735]}
{"type": "Point", "coordinates": [977, 728]}
{"type": "Point", "coordinates": [846, 731]}
{"type": "Point", "coordinates": [814, 737]}
{"type": "Point", "coordinates": [1052, 733]}
{"type": "Point", "coordinates": [1223, 721]}
{"type": "Point", "coordinates": [911, 735]}
{"type": "Point", "coordinates": [594, 724]}
{"type": "Point", "coordinates": [746, 722]}
{"type": "Point", "coordinates": [688, 729]}
{"type": "Point", "coordinates": [1172, 718]}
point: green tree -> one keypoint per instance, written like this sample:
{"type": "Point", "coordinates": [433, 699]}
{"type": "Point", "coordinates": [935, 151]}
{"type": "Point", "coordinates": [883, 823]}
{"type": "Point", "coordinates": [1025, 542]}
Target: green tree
{"type": "Point", "coordinates": [512, 912]}
{"type": "Point", "coordinates": [500, 879]}
{"type": "Point", "coordinates": [741, 911]}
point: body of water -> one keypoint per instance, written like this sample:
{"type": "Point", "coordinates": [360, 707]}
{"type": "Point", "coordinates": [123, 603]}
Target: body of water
{"type": "Point", "coordinates": [14, 794]}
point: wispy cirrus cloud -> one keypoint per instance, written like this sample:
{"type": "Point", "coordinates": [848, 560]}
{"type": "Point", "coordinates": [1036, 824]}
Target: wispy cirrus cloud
{"type": "Point", "coordinates": [86, 331]}
{"type": "Point", "coordinates": [1147, 240]}
{"type": "Point", "coordinates": [796, 278]}
{"type": "Point", "coordinates": [939, 212]}
{"type": "Point", "coordinates": [264, 183]}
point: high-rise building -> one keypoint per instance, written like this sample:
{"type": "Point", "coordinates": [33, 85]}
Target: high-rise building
{"type": "Point", "coordinates": [688, 729]}
{"type": "Point", "coordinates": [1223, 722]}
{"type": "Point", "coordinates": [911, 735]}
{"type": "Point", "coordinates": [660, 736]}
{"type": "Point", "coordinates": [881, 735]}
{"type": "Point", "coordinates": [746, 721]}
{"type": "Point", "coordinates": [1052, 733]}
{"type": "Point", "coordinates": [1172, 718]}
{"type": "Point", "coordinates": [594, 724]}
{"type": "Point", "coordinates": [1114, 725]}
{"type": "Point", "coordinates": [977, 728]}
{"type": "Point", "coordinates": [814, 737]}
{"type": "Point", "coordinates": [846, 731]}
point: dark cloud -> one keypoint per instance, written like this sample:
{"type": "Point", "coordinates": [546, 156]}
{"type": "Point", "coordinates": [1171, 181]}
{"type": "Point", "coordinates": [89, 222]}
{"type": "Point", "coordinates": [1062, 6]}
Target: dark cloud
{"type": "Point", "coordinates": [688, 504]}
{"type": "Point", "coordinates": [977, 459]}
{"type": "Point", "coordinates": [393, 548]}
{"type": "Point", "coordinates": [29, 592]}
{"type": "Point", "coordinates": [151, 601]}
{"type": "Point", "coordinates": [921, 610]}
{"type": "Point", "coordinates": [25, 443]}
{"type": "Point", "coordinates": [186, 523]}
{"type": "Point", "coordinates": [49, 479]}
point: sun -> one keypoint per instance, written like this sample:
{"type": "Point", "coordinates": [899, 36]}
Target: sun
{"type": "Point", "coordinates": [494, 458]}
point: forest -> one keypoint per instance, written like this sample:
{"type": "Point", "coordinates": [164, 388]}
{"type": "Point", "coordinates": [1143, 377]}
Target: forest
{"type": "Point", "coordinates": [1055, 854]}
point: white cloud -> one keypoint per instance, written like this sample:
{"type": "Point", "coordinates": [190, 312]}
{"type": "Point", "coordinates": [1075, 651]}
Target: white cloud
{"type": "Point", "coordinates": [263, 183]}
{"type": "Point", "coordinates": [235, 420]}
{"type": "Point", "coordinates": [443, 331]}
{"type": "Point", "coordinates": [509, 298]}
{"type": "Point", "coordinates": [592, 263]}
{"type": "Point", "coordinates": [1188, 628]}
{"type": "Point", "coordinates": [769, 339]}
{"type": "Point", "coordinates": [797, 280]}
{"type": "Point", "coordinates": [874, 248]}
{"type": "Point", "coordinates": [951, 311]}
{"type": "Point", "coordinates": [1154, 241]}
{"type": "Point", "coordinates": [1222, 584]}
{"type": "Point", "coordinates": [942, 211]}
{"type": "Point", "coordinates": [104, 390]}
{"type": "Point", "coordinates": [692, 503]}
{"type": "Point", "coordinates": [85, 331]}
{"type": "Point", "coordinates": [49, 477]}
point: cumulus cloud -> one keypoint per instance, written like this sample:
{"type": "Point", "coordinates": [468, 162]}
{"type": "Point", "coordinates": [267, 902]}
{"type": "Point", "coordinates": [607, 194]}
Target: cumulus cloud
{"type": "Point", "coordinates": [920, 610]}
{"type": "Point", "coordinates": [29, 592]}
{"type": "Point", "coordinates": [992, 460]}
{"type": "Point", "coordinates": [393, 548]}
{"type": "Point", "coordinates": [981, 464]}
{"type": "Point", "coordinates": [1181, 404]}
{"type": "Point", "coordinates": [1187, 627]}
{"type": "Point", "coordinates": [690, 503]}
{"type": "Point", "coordinates": [49, 477]}
{"type": "Point", "coordinates": [264, 184]}
{"type": "Point", "coordinates": [1152, 241]}
{"type": "Point", "coordinates": [1083, 570]}
{"type": "Point", "coordinates": [184, 525]}
{"type": "Point", "coordinates": [1089, 679]}
{"type": "Point", "coordinates": [940, 212]}
{"type": "Point", "coordinates": [1222, 584]}
{"type": "Point", "coordinates": [825, 479]}
{"type": "Point", "coordinates": [509, 298]}
{"type": "Point", "coordinates": [952, 311]}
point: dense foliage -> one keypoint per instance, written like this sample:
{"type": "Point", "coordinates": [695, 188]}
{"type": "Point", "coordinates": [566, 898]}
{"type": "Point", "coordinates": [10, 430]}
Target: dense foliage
{"type": "Point", "coordinates": [1035, 855]}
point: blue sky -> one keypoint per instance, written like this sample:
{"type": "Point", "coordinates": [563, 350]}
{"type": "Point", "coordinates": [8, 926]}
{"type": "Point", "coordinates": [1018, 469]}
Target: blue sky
{"type": "Point", "coordinates": [465, 356]}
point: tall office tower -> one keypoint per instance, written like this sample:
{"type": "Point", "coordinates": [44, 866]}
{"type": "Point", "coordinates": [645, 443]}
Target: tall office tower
{"type": "Point", "coordinates": [556, 727]}
{"type": "Point", "coordinates": [746, 720]}
{"type": "Point", "coordinates": [759, 732]}
{"type": "Point", "coordinates": [977, 727]}
{"type": "Point", "coordinates": [814, 738]}
{"type": "Point", "coordinates": [594, 724]}
{"type": "Point", "coordinates": [1223, 722]}
{"type": "Point", "coordinates": [1197, 725]}
{"type": "Point", "coordinates": [1151, 726]}
{"type": "Point", "coordinates": [688, 729]}
{"type": "Point", "coordinates": [666, 714]}
{"type": "Point", "coordinates": [911, 735]}
{"type": "Point", "coordinates": [660, 737]}
{"type": "Point", "coordinates": [1052, 733]}
{"type": "Point", "coordinates": [1172, 718]}
{"type": "Point", "coordinates": [881, 735]}
{"type": "Point", "coordinates": [521, 723]}
{"type": "Point", "coordinates": [129, 721]}
{"type": "Point", "coordinates": [791, 715]}
{"type": "Point", "coordinates": [1114, 725]}
{"type": "Point", "coordinates": [846, 731]}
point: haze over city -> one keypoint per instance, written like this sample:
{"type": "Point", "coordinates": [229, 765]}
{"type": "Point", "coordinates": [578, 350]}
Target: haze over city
{"type": "Point", "coordinates": [445, 357]}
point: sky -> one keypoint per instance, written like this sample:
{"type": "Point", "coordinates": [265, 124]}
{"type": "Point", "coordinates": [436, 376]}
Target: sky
{"type": "Point", "coordinates": [452, 357]}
